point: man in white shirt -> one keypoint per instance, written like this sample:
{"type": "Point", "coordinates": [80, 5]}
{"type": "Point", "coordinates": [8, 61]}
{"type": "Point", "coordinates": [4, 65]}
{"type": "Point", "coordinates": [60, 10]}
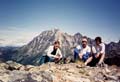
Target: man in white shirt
{"type": "Point", "coordinates": [98, 51]}
{"type": "Point", "coordinates": [54, 52]}
{"type": "Point", "coordinates": [85, 53]}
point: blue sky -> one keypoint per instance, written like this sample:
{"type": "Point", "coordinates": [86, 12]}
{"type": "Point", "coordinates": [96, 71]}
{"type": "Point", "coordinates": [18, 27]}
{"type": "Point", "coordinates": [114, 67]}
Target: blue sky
{"type": "Point", "coordinates": [21, 20]}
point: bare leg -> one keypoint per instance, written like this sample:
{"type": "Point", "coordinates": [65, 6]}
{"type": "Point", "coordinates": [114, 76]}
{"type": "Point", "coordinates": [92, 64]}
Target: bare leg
{"type": "Point", "coordinates": [88, 60]}
{"type": "Point", "coordinates": [101, 59]}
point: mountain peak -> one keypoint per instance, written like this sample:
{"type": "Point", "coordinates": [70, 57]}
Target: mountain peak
{"type": "Point", "coordinates": [56, 29]}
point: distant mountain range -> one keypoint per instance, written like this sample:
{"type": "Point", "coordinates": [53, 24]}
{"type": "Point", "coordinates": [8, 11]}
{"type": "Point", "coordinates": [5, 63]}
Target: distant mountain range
{"type": "Point", "coordinates": [113, 53]}
{"type": "Point", "coordinates": [7, 52]}
{"type": "Point", "coordinates": [31, 52]}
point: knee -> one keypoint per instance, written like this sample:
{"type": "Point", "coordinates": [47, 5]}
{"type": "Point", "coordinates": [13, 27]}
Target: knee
{"type": "Point", "coordinates": [80, 56]}
{"type": "Point", "coordinates": [76, 50]}
{"type": "Point", "coordinates": [103, 55]}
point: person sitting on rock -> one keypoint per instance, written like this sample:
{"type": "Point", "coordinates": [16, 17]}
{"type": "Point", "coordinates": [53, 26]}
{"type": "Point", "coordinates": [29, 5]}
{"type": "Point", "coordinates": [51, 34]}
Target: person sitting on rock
{"type": "Point", "coordinates": [54, 53]}
{"type": "Point", "coordinates": [85, 53]}
{"type": "Point", "coordinates": [98, 51]}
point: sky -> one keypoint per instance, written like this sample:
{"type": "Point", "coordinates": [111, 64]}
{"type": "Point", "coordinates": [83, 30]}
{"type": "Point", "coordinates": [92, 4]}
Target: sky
{"type": "Point", "coordinates": [22, 20]}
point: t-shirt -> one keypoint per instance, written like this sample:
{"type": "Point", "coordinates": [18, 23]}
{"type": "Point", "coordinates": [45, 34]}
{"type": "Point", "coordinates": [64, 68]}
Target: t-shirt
{"type": "Point", "coordinates": [99, 49]}
{"type": "Point", "coordinates": [51, 52]}
{"type": "Point", "coordinates": [85, 52]}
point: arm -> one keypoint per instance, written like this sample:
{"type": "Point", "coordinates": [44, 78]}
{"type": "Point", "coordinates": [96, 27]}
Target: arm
{"type": "Point", "coordinates": [93, 50]}
{"type": "Point", "coordinates": [90, 57]}
{"type": "Point", "coordinates": [103, 49]}
{"type": "Point", "coordinates": [81, 54]}
{"type": "Point", "coordinates": [59, 53]}
{"type": "Point", "coordinates": [89, 50]}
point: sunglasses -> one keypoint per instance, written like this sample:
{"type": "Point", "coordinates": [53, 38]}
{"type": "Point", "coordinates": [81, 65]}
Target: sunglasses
{"type": "Point", "coordinates": [84, 41]}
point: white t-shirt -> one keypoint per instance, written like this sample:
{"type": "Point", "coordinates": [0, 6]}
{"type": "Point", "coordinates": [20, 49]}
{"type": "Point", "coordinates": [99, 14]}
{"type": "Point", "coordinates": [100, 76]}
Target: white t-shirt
{"type": "Point", "coordinates": [99, 49]}
{"type": "Point", "coordinates": [85, 50]}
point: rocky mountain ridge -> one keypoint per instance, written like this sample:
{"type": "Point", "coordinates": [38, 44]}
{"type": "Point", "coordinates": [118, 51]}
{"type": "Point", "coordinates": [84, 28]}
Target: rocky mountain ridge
{"type": "Point", "coordinates": [32, 52]}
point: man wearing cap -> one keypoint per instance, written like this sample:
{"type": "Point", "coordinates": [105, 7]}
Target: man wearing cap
{"type": "Point", "coordinates": [85, 53]}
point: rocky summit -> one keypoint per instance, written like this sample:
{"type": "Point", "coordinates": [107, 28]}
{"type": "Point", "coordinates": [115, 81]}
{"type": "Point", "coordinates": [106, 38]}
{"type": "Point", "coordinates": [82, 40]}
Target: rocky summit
{"type": "Point", "coordinates": [51, 72]}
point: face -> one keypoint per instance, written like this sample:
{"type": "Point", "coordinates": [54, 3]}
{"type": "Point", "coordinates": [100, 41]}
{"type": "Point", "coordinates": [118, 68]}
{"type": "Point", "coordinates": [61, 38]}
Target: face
{"type": "Point", "coordinates": [56, 46]}
{"type": "Point", "coordinates": [84, 44]}
{"type": "Point", "coordinates": [97, 42]}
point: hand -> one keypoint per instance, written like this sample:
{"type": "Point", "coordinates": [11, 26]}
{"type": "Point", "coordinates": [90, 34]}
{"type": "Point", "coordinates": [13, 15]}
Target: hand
{"type": "Point", "coordinates": [97, 55]}
{"type": "Point", "coordinates": [57, 57]}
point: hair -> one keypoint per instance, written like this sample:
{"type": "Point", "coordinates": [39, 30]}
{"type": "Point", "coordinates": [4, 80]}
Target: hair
{"type": "Point", "coordinates": [98, 39]}
{"type": "Point", "coordinates": [57, 42]}
{"type": "Point", "coordinates": [85, 37]}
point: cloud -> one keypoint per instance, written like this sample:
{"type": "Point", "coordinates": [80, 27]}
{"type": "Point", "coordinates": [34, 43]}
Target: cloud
{"type": "Point", "coordinates": [18, 38]}
{"type": "Point", "coordinates": [12, 30]}
{"type": "Point", "coordinates": [1, 41]}
{"type": "Point", "coordinates": [15, 36]}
